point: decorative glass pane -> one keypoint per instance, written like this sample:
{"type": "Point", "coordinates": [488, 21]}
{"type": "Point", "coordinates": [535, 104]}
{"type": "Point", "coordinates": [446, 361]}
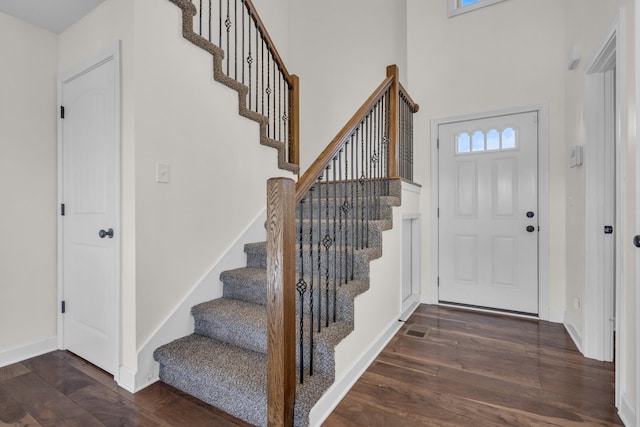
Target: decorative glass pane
{"type": "Point", "coordinates": [477, 143]}
{"type": "Point", "coordinates": [464, 143]}
{"type": "Point", "coordinates": [508, 138]}
{"type": "Point", "coordinates": [493, 140]}
{"type": "Point", "coordinates": [464, 3]}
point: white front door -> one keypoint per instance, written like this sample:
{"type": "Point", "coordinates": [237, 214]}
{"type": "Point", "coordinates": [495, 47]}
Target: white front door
{"type": "Point", "coordinates": [488, 212]}
{"type": "Point", "coordinates": [90, 195]}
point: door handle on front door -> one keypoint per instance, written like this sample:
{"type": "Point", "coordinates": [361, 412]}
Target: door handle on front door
{"type": "Point", "coordinates": [636, 241]}
{"type": "Point", "coordinates": [104, 234]}
{"type": "Point", "coordinates": [531, 228]}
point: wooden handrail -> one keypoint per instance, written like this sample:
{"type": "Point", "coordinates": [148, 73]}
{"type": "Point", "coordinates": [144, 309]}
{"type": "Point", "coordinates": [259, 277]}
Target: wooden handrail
{"type": "Point", "coordinates": [414, 105]}
{"type": "Point", "coordinates": [253, 13]}
{"type": "Point", "coordinates": [315, 170]}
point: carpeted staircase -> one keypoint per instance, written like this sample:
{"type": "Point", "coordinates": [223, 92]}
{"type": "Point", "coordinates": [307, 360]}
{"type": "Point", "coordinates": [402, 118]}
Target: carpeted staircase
{"type": "Point", "coordinates": [224, 361]}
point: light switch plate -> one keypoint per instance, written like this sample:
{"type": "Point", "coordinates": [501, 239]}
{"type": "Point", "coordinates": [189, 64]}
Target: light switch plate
{"type": "Point", "coordinates": [162, 173]}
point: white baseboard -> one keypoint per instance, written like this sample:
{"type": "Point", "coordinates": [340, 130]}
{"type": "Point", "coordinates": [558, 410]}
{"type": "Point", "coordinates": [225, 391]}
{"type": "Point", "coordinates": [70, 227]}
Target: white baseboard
{"type": "Point", "coordinates": [626, 412]}
{"type": "Point", "coordinates": [127, 379]}
{"type": "Point", "coordinates": [27, 351]}
{"type": "Point", "coordinates": [341, 386]}
{"type": "Point", "coordinates": [575, 335]}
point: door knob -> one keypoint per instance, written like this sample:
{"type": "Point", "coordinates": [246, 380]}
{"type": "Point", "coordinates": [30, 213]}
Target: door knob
{"type": "Point", "coordinates": [104, 234]}
{"type": "Point", "coordinates": [530, 214]}
{"type": "Point", "coordinates": [531, 228]}
{"type": "Point", "coordinates": [636, 241]}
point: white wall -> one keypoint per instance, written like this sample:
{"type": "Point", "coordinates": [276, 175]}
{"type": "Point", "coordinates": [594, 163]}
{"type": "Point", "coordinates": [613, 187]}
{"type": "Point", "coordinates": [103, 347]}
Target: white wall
{"type": "Point", "coordinates": [218, 168]}
{"type": "Point", "coordinates": [588, 25]}
{"type": "Point", "coordinates": [340, 51]}
{"type": "Point", "coordinates": [504, 56]}
{"type": "Point", "coordinates": [27, 184]}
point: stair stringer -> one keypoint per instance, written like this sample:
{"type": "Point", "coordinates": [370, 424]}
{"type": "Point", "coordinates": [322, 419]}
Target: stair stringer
{"type": "Point", "coordinates": [188, 12]}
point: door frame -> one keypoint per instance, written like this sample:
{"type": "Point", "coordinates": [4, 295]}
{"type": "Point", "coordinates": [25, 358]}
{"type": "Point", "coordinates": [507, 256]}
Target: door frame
{"type": "Point", "coordinates": [544, 311]}
{"type": "Point", "coordinates": [110, 53]}
{"type": "Point", "coordinates": [597, 339]}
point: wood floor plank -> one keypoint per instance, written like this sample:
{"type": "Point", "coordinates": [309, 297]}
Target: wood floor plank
{"type": "Point", "coordinates": [46, 404]}
{"type": "Point", "coordinates": [57, 372]}
{"type": "Point", "coordinates": [11, 371]}
{"type": "Point", "coordinates": [111, 409]}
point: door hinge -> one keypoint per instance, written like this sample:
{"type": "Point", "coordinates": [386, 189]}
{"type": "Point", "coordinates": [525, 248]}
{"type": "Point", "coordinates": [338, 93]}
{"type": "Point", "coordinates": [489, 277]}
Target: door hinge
{"type": "Point", "coordinates": [438, 144]}
{"type": "Point", "coordinates": [438, 214]}
{"type": "Point", "coordinates": [62, 209]}
{"type": "Point", "coordinates": [61, 112]}
{"type": "Point", "coordinates": [63, 307]}
{"type": "Point", "coordinates": [438, 280]}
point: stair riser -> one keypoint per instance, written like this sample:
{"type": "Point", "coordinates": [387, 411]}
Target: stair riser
{"type": "Point", "coordinates": [386, 188]}
{"type": "Point", "coordinates": [343, 209]}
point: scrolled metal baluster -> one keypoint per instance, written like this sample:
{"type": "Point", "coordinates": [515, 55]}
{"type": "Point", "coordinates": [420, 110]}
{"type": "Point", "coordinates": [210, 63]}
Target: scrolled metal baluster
{"type": "Point", "coordinates": [228, 24]}
{"type": "Point", "coordinates": [249, 60]}
{"type": "Point", "coordinates": [311, 284]}
{"type": "Point", "coordinates": [327, 243]}
{"type": "Point", "coordinates": [235, 39]}
{"type": "Point", "coordinates": [334, 186]}
{"type": "Point", "coordinates": [301, 287]}
{"type": "Point", "coordinates": [319, 250]}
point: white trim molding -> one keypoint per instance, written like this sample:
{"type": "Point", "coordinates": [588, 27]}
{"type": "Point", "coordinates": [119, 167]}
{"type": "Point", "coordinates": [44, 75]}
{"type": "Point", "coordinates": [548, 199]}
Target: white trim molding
{"type": "Point", "coordinates": [544, 275]}
{"type": "Point", "coordinates": [27, 351]}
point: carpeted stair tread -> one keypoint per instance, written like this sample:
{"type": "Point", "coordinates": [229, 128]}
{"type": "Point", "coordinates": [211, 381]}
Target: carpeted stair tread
{"type": "Point", "coordinates": [230, 378]}
{"type": "Point", "coordinates": [244, 325]}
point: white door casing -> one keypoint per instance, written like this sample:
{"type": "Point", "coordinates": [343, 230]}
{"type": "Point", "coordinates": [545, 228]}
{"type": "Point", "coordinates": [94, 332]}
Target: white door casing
{"type": "Point", "coordinates": [486, 190]}
{"type": "Point", "coordinates": [89, 187]}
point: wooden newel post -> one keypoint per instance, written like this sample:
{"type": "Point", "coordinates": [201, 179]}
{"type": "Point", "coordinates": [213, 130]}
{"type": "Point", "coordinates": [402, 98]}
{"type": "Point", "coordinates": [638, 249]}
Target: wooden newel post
{"type": "Point", "coordinates": [394, 118]}
{"type": "Point", "coordinates": [294, 125]}
{"type": "Point", "coordinates": [281, 301]}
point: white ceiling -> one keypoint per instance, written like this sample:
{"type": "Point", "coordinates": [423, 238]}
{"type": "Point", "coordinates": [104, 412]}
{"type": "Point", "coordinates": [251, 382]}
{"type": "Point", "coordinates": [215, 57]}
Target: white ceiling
{"type": "Point", "coordinates": [53, 15]}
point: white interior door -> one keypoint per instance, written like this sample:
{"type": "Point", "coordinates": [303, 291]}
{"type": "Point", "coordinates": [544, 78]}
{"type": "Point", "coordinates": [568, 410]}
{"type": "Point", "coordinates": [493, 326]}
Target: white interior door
{"type": "Point", "coordinates": [488, 212]}
{"type": "Point", "coordinates": [90, 195]}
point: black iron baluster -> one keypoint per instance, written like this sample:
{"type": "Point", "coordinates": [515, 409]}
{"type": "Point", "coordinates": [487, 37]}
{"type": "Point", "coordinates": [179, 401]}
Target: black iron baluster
{"type": "Point", "coordinates": [279, 105]}
{"type": "Point", "coordinates": [249, 59]}
{"type": "Point", "coordinates": [243, 39]}
{"type": "Point", "coordinates": [311, 294]}
{"type": "Point", "coordinates": [268, 91]}
{"type": "Point", "coordinates": [354, 206]}
{"type": "Point", "coordinates": [367, 162]}
{"type": "Point", "coordinates": [235, 37]}
{"type": "Point", "coordinates": [227, 23]}
{"type": "Point", "coordinates": [262, 80]}
{"type": "Point", "coordinates": [258, 33]}
{"type": "Point", "coordinates": [319, 182]}
{"type": "Point", "coordinates": [334, 186]}
{"type": "Point", "coordinates": [210, 16]}
{"type": "Point", "coordinates": [326, 242]}
{"type": "Point", "coordinates": [345, 212]}
{"type": "Point", "coordinates": [301, 287]}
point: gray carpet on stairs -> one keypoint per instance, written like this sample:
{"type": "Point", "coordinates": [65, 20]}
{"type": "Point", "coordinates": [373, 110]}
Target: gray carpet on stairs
{"type": "Point", "coordinates": [223, 362]}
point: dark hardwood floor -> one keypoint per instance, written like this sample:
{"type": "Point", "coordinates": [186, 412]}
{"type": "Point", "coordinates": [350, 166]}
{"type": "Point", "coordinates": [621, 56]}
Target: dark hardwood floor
{"type": "Point", "coordinates": [445, 367]}
{"type": "Point", "coordinates": [448, 367]}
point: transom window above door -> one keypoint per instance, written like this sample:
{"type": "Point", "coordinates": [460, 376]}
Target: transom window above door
{"type": "Point", "coordinates": [457, 7]}
{"type": "Point", "coordinates": [479, 141]}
